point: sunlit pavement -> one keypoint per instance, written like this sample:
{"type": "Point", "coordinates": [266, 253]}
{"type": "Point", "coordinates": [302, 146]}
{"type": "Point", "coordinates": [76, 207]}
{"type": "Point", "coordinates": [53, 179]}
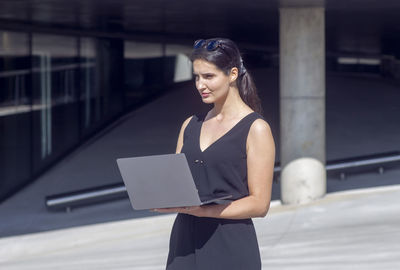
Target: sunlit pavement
{"type": "Point", "coordinates": [357, 229]}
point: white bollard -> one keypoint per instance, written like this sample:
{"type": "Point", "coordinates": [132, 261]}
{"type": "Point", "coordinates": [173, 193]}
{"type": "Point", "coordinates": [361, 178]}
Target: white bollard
{"type": "Point", "coordinates": [303, 180]}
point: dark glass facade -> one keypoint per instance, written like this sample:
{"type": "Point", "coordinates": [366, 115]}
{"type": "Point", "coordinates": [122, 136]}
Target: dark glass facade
{"type": "Point", "coordinates": [15, 111]}
{"type": "Point", "coordinates": [58, 90]}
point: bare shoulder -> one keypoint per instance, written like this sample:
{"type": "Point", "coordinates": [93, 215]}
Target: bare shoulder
{"type": "Point", "coordinates": [259, 127]}
{"type": "Point", "coordinates": [180, 137]}
{"type": "Point", "coordinates": [260, 134]}
{"type": "Point", "coordinates": [186, 122]}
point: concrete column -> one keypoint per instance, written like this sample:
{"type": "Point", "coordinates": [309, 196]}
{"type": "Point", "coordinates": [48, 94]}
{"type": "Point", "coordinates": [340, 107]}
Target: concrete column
{"type": "Point", "coordinates": [302, 104]}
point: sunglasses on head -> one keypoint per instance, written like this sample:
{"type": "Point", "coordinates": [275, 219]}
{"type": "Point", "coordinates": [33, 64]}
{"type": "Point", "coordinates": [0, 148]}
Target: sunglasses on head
{"type": "Point", "coordinates": [209, 45]}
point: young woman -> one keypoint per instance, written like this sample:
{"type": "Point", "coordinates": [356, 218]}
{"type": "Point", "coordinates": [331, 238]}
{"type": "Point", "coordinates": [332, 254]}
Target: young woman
{"type": "Point", "coordinates": [230, 150]}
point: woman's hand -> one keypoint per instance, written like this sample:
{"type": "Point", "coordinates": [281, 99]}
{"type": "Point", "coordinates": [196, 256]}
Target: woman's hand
{"type": "Point", "coordinates": [190, 210]}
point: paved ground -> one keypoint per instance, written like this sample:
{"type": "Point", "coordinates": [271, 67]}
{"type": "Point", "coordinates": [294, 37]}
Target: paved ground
{"type": "Point", "coordinates": [357, 229]}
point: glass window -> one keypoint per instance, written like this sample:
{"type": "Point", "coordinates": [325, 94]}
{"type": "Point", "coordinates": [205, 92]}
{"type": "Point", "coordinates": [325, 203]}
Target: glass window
{"type": "Point", "coordinates": [90, 99]}
{"type": "Point", "coordinates": [143, 70]}
{"type": "Point", "coordinates": [15, 131]}
{"type": "Point", "coordinates": [55, 88]}
{"type": "Point", "coordinates": [101, 82]}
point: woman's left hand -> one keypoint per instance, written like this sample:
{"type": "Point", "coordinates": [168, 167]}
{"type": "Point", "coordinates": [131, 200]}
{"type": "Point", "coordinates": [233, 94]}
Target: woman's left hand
{"type": "Point", "coordinates": [190, 210]}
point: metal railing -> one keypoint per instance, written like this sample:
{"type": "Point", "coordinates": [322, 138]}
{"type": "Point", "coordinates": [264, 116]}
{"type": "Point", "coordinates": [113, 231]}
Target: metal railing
{"type": "Point", "coordinates": [86, 197]}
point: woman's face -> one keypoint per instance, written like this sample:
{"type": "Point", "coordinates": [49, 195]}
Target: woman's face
{"type": "Point", "coordinates": [211, 82]}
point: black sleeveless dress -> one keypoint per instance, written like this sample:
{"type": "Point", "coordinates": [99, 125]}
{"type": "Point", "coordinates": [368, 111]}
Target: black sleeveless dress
{"type": "Point", "coordinates": [212, 243]}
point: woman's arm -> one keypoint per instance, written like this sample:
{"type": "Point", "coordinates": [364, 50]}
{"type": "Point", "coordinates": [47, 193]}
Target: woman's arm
{"type": "Point", "coordinates": [260, 165]}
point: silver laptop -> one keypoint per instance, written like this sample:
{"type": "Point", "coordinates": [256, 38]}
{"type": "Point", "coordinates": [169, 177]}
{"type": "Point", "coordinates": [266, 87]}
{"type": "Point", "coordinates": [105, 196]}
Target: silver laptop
{"type": "Point", "coordinates": [161, 181]}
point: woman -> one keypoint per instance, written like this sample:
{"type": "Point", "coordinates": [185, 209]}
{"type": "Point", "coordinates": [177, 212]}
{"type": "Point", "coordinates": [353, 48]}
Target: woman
{"type": "Point", "coordinates": [230, 150]}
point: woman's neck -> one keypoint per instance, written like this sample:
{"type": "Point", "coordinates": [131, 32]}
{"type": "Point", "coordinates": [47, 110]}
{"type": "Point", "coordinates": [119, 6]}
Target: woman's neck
{"type": "Point", "coordinates": [230, 107]}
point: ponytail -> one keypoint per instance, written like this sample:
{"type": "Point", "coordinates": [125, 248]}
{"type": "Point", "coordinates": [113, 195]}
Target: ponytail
{"type": "Point", "coordinates": [248, 91]}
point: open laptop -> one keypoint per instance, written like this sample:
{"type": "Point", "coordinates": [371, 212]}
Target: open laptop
{"type": "Point", "coordinates": [161, 181]}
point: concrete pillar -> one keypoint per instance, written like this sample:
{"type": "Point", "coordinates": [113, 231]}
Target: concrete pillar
{"type": "Point", "coordinates": [302, 104]}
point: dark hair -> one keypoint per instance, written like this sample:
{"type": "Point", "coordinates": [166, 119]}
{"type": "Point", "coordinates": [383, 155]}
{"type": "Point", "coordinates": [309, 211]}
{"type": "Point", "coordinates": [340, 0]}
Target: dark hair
{"type": "Point", "coordinates": [226, 55]}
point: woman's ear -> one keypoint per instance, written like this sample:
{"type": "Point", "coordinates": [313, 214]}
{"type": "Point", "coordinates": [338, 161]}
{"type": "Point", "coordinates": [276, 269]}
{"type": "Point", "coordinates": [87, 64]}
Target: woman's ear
{"type": "Point", "coordinates": [233, 75]}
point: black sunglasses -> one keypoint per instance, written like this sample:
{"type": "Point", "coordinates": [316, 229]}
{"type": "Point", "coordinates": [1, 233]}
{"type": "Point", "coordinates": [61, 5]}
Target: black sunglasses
{"type": "Point", "coordinates": [210, 45]}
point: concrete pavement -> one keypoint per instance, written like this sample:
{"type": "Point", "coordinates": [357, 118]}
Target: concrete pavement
{"type": "Point", "coordinates": [358, 229]}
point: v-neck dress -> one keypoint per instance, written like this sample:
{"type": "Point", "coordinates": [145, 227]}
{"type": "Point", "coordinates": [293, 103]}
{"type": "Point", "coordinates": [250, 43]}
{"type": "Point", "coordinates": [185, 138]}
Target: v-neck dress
{"type": "Point", "coordinates": [220, 169]}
